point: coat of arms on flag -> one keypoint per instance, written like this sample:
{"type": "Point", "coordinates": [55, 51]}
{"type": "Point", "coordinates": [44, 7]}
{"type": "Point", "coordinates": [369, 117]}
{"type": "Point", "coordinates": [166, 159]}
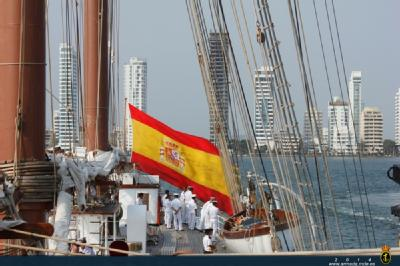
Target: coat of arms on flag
{"type": "Point", "coordinates": [171, 153]}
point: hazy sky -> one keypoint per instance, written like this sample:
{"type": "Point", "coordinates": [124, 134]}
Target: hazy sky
{"type": "Point", "coordinates": [159, 31]}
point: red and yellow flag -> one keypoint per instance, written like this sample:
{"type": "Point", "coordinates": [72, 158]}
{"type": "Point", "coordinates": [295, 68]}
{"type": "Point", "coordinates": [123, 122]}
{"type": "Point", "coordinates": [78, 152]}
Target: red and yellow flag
{"type": "Point", "coordinates": [178, 158]}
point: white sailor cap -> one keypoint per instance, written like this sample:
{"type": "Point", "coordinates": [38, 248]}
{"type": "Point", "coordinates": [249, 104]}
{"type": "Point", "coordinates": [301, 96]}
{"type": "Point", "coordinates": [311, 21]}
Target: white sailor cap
{"type": "Point", "coordinates": [194, 195]}
{"type": "Point", "coordinates": [176, 194]}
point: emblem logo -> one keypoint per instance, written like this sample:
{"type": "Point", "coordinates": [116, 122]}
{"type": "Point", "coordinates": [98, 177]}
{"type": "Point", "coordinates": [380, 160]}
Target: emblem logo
{"type": "Point", "coordinates": [170, 152]}
{"type": "Point", "coordinates": [386, 258]}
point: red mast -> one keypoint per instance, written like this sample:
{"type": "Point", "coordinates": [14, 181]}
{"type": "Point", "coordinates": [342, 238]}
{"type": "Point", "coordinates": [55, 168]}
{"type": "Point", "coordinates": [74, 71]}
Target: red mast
{"type": "Point", "coordinates": [96, 74]}
{"type": "Point", "coordinates": [22, 80]}
{"type": "Point", "coordinates": [22, 101]}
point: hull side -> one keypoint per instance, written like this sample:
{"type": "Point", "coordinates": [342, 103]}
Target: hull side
{"type": "Point", "coordinates": [260, 243]}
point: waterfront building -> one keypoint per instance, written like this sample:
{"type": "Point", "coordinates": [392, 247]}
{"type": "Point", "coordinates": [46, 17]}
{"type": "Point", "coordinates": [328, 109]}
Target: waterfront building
{"type": "Point", "coordinates": [371, 131]}
{"type": "Point", "coordinates": [397, 118]}
{"type": "Point", "coordinates": [355, 90]}
{"type": "Point", "coordinates": [135, 89]}
{"type": "Point", "coordinates": [67, 126]}
{"type": "Point", "coordinates": [325, 139]}
{"type": "Point", "coordinates": [264, 105]}
{"type": "Point", "coordinates": [219, 51]}
{"type": "Point", "coordinates": [312, 130]}
{"type": "Point", "coordinates": [341, 134]}
{"type": "Point", "coordinates": [48, 139]}
{"type": "Point", "coordinates": [285, 143]}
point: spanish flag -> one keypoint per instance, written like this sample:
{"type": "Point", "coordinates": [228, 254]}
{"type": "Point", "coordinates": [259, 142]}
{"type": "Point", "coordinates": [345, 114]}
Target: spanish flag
{"type": "Point", "coordinates": [178, 158]}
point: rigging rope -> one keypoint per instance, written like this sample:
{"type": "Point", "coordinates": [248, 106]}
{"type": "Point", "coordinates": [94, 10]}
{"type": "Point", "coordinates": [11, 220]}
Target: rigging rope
{"type": "Point", "coordinates": [336, 122]}
{"type": "Point", "coordinates": [359, 155]}
{"type": "Point", "coordinates": [286, 115]}
{"type": "Point", "coordinates": [348, 126]}
{"type": "Point", "coordinates": [53, 137]}
{"type": "Point", "coordinates": [80, 115]}
{"type": "Point", "coordinates": [20, 97]}
{"type": "Point", "coordinates": [310, 104]}
{"type": "Point", "coordinates": [270, 150]}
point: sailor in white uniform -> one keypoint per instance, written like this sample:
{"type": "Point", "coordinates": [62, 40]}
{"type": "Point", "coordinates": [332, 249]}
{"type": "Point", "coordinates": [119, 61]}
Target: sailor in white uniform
{"type": "Point", "coordinates": [167, 203]}
{"type": "Point", "coordinates": [183, 210]}
{"type": "Point", "coordinates": [176, 206]}
{"type": "Point", "coordinates": [204, 217]}
{"type": "Point", "coordinates": [208, 247]}
{"type": "Point", "coordinates": [213, 212]}
{"type": "Point", "coordinates": [164, 197]}
{"type": "Point", "coordinates": [188, 197]}
{"type": "Point", "coordinates": [191, 211]}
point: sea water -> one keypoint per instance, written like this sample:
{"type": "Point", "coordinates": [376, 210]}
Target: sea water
{"type": "Point", "coordinates": [355, 211]}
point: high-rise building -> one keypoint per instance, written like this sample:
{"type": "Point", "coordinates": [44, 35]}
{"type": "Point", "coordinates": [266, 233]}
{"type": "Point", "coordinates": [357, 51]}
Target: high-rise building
{"type": "Point", "coordinates": [341, 134]}
{"type": "Point", "coordinates": [135, 86]}
{"type": "Point", "coordinates": [372, 130]}
{"type": "Point", "coordinates": [325, 139]}
{"type": "Point", "coordinates": [397, 118]}
{"type": "Point", "coordinates": [355, 89]}
{"type": "Point", "coordinates": [285, 143]}
{"type": "Point", "coordinates": [264, 105]}
{"type": "Point", "coordinates": [66, 118]}
{"type": "Point", "coordinates": [312, 130]}
{"type": "Point", "coordinates": [219, 52]}
{"type": "Point", "coordinates": [117, 137]}
{"type": "Point", "coordinates": [48, 138]}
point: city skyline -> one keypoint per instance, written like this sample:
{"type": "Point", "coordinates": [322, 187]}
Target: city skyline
{"type": "Point", "coordinates": [135, 91]}
{"type": "Point", "coordinates": [190, 114]}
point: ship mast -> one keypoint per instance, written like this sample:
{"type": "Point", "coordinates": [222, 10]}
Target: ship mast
{"type": "Point", "coordinates": [22, 75]}
{"type": "Point", "coordinates": [96, 74]}
{"type": "Point", "coordinates": [22, 100]}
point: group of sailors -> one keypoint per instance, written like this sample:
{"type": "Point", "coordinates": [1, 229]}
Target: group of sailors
{"type": "Point", "coordinates": [181, 209]}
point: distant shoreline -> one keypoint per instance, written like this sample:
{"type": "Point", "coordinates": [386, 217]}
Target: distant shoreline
{"type": "Point", "coordinates": [334, 156]}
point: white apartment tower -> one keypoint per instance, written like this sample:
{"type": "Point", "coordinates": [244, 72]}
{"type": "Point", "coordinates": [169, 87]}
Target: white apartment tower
{"type": "Point", "coordinates": [355, 89]}
{"type": "Point", "coordinates": [325, 138]}
{"type": "Point", "coordinates": [66, 118]}
{"type": "Point", "coordinates": [264, 105]}
{"type": "Point", "coordinates": [135, 86]}
{"type": "Point", "coordinates": [397, 118]}
{"type": "Point", "coordinates": [312, 130]}
{"type": "Point", "coordinates": [219, 51]}
{"type": "Point", "coordinates": [341, 134]}
{"type": "Point", "coordinates": [372, 130]}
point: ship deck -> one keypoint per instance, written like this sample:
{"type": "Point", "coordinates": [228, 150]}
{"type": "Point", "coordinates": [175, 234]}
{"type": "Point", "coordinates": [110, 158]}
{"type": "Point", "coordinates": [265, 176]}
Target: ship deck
{"type": "Point", "coordinates": [189, 242]}
{"type": "Point", "coordinates": [172, 242]}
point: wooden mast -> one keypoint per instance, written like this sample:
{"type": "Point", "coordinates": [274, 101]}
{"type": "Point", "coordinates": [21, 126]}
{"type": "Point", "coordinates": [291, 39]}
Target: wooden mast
{"type": "Point", "coordinates": [96, 74]}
